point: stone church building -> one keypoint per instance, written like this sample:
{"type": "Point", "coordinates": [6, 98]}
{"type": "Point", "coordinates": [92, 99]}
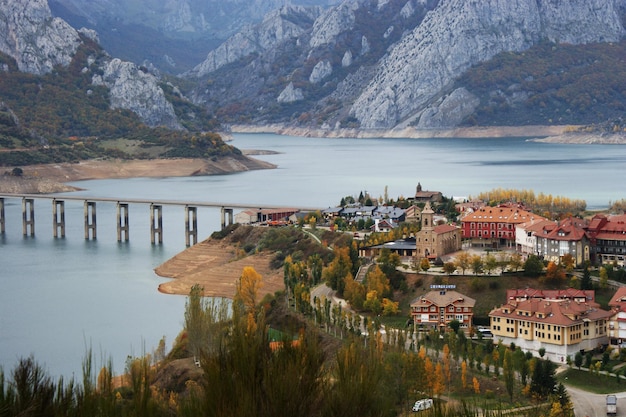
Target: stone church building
{"type": "Point", "coordinates": [434, 241]}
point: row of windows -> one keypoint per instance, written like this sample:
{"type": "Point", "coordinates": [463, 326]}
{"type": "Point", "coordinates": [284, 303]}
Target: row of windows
{"type": "Point", "coordinates": [450, 309]}
{"type": "Point", "coordinates": [541, 326]}
{"type": "Point", "coordinates": [542, 335]}
{"type": "Point", "coordinates": [493, 234]}
{"type": "Point", "coordinates": [474, 225]}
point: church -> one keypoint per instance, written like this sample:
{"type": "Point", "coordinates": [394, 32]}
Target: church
{"type": "Point", "coordinates": [433, 241]}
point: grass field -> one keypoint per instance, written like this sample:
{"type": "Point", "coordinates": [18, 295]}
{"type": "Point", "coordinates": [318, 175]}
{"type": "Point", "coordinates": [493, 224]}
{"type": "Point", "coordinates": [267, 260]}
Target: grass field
{"type": "Point", "coordinates": [598, 384]}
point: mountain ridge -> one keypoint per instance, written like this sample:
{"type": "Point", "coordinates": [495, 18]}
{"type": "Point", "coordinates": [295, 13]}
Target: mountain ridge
{"type": "Point", "coordinates": [394, 64]}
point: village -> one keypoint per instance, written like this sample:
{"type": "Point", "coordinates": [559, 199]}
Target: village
{"type": "Point", "coordinates": [558, 323]}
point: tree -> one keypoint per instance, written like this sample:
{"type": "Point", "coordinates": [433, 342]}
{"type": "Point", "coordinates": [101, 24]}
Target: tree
{"type": "Point", "coordinates": [568, 262]}
{"type": "Point", "coordinates": [555, 274]}
{"type": "Point", "coordinates": [202, 318]}
{"type": "Point", "coordinates": [377, 281]}
{"type": "Point", "coordinates": [533, 267]}
{"type": "Point", "coordinates": [578, 359]}
{"type": "Point", "coordinates": [476, 385]}
{"type": "Point", "coordinates": [390, 307]}
{"type": "Point", "coordinates": [515, 263]}
{"type": "Point", "coordinates": [354, 292]}
{"type": "Point", "coordinates": [247, 288]}
{"type": "Point", "coordinates": [585, 282]}
{"type": "Point", "coordinates": [543, 379]}
{"type": "Point", "coordinates": [372, 302]}
{"type": "Point", "coordinates": [449, 268]}
{"type": "Point", "coordinates": [565, 406]}
{"type": "Point", "coordinates": [490, 263]}
{"type": "Point", "coordinates": [462, 261]}
{"type": "Point", "coordinates": [335, 273]}
{"type": "Point", "coordinates": [424, 264]}
{"type": "Point", "coordinates": [454, 325]}
{"type": "Point", "coordinates": [604, 278]}
{"type": "Point", "coordinates": [476, 263]}
{"type": "Point", "coordinates": [508, 373]}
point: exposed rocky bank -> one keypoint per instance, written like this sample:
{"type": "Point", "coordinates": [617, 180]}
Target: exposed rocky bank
{"type": "Point", "coordinates": [50, 178]}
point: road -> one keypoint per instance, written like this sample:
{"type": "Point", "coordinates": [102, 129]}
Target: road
{"type": "Point", "coordinates": [594, 405]}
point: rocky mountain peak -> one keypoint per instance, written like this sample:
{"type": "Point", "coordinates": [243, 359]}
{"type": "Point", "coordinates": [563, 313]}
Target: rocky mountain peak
{"type": "Point", "coordinates": [36, 40]}
{"type": "Point", "coordinates": [39, 42]}
{"type": "Point", "coordinates": [459, 34]}
{"type": "Point", "coordinates": [288, 22]}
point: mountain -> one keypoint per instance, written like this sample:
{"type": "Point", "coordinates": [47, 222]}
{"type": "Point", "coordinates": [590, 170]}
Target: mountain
{"type": "Point", "coordinates": [63, 96]}
{"type": "Point", "coordinates": [394, 63]}
{"type": "Point", "coordinates": [174, 35]}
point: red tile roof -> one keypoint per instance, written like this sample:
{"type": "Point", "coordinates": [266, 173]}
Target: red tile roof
{"type": "Point", "coordinates": [511, 215]}
{"type": "Point", "coordinates": [619, 299]}
{"type": "Point", "coordinates": [557, 312]}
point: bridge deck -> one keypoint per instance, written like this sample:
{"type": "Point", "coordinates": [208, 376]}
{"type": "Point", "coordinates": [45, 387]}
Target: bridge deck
{"type": "Point", "coordinates": [156, 202]}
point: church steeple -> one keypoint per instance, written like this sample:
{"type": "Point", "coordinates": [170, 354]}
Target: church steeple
{"type": "Point", "coordinates": [427, 217]}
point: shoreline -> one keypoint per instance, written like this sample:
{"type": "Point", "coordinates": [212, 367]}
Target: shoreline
{"type": "Point", "coordinates": [536, 133]}
{"type": "Point", "coordinates": [406, 133]}
{"type": "Point", "coordinates": [52, 178]}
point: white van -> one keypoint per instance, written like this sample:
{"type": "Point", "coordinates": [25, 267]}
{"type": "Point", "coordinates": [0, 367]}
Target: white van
{"type": "Point", "coordinates": [421, 405]}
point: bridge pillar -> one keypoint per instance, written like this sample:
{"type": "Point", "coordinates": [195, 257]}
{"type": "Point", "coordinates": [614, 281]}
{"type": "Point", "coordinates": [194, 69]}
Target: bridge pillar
{"type": "Point", "coordinates": [191, 230]}
{"type": "Point", "coordinates": [28, 216]}
{"type": "Point", "coordinates": [2, 218]}
{"type": "Point", "coordinates": [158, 227]}
{"type": "Point", "coordinates": [58, 217]}
{"type": "Point", "coordinates": [229, 212]}
{"type": "Point", "coordinates": [122, 222]}
{"type": "Point", "coordinates": [90, 219]}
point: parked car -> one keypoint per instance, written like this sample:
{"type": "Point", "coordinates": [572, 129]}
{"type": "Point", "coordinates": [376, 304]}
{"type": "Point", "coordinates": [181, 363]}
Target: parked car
{"type": "Point", "coordinates": [421, 405]}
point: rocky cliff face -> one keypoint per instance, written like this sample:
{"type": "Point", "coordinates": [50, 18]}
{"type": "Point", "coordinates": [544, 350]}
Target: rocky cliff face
{"type": "Point", "coordinates": [134, 89]}
{"type": "Point", "coordinates": [390, 63]}
{"type": "Point", "coordinates": [459, 34]}
{"type": "Point", "coordinates": [287, 23]}
{"type": "Point", "coordinates": [38, 42]}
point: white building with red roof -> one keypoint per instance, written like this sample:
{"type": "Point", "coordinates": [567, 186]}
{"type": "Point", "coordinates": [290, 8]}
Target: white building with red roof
{"type": "Point", "coordinates": [566, 237]}
{"type": "Point", "coordinates": [617, 323]}
{"type": "Point", "coordinates": [608, 239]}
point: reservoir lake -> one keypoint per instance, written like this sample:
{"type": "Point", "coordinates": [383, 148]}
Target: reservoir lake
{"type": "Point", "coordinates": [60, 297]}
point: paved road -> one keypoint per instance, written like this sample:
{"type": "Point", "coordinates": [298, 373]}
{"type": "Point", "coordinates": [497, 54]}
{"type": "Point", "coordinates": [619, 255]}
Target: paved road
{"type": "Point", "coordinates": [594, 405]}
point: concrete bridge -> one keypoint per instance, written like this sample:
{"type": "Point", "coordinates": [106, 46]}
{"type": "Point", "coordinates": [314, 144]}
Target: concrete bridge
{"type": "Point", "coordinates": [122, 205]}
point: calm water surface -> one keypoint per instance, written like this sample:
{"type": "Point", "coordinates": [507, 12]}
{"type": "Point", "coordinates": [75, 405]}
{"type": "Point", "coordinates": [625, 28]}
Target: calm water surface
{"type": "Point", "coordinates": [60, 296]}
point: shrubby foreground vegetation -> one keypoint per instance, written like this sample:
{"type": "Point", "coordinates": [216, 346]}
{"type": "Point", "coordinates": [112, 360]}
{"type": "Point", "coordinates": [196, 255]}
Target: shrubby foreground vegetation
{"type": "Point", "coordinates": [243, 372]}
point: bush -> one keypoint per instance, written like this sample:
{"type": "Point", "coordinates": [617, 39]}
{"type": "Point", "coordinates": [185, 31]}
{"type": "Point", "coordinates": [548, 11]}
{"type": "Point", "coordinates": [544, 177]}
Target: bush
{"type": "Point", "coordinates": [478, 284]}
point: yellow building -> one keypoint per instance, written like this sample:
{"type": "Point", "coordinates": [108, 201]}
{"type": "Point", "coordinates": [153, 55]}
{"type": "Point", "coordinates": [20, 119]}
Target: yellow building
{"type": "Point", "coordinates": [561, 326]}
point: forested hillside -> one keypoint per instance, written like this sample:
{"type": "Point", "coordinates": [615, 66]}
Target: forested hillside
{"type": "Point", "coordinates": [62, 116]}
{"type": "Point", "coordinates": [549, 84]}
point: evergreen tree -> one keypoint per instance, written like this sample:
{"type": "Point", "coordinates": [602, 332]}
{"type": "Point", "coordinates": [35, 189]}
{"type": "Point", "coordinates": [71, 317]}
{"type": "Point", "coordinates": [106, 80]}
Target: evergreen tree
{"type": "Point", "coordinates": [585, 282]}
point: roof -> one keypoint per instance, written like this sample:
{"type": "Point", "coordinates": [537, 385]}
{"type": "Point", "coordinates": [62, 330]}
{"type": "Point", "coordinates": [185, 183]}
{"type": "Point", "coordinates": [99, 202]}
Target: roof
{"type": "Point", "coordinates": [556, 312]}
{"type": "Point", "coordinates": [513, 215]}
{"type": "Point", "coordinates": [400, 244]}
{"type": "Point", "coordinates": [568, 293]}
{"type": "Point", "coordinates": [445, 298]}
{"type": "Point", "coordinates": [619, 299]}
{"type": "Point", "coordinates": [444, 228]}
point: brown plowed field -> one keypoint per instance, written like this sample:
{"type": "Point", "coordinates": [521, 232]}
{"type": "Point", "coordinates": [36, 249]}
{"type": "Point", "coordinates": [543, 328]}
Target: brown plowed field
{"type": "Point", "coordinates": [215, 266]}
